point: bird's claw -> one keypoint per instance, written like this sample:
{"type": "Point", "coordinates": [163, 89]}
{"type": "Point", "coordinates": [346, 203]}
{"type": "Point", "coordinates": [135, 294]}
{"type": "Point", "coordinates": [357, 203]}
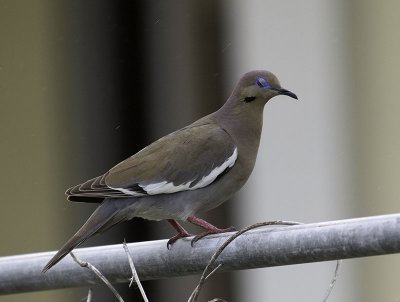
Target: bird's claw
{"type": "Point", "coordinates": [172, 240]}
{"type": "Point", "coordinates": [211, 231]}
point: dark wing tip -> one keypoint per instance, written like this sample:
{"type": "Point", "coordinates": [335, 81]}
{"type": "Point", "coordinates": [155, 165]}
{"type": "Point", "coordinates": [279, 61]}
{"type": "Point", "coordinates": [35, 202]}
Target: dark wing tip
{"type": "Point", "coordinates": [89, 199]}
{"type": "Point", "coordinates": [93, 191]}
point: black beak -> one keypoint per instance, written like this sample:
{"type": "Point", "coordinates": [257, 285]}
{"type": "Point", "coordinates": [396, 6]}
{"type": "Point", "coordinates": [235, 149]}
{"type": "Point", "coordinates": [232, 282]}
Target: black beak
{"type": "Point", "coordinates": [286, 92]}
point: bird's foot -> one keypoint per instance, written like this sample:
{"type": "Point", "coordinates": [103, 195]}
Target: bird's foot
{"type": "Point", "coordinates": [208, 227]}
{"type": "Point", "coordinates": [172, 240]}
{"type": "Point", "coordinates": [211, 231]}
{"type": "Point", "coordinates": [182, 233]}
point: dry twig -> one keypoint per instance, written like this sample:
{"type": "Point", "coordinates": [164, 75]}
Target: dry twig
{"type": "Point", "coordinates": [89, 295]}
{"type": "Point", "coordinates": [333, 281]}
{"type": "Point", "coordinates": [98, 274]}
{"type": "Point", "coordinates": [134, 273]}
{"type": "Point", "coordinates": [205, 276]}
{"type": "Point", "coordinates": [193, 297]}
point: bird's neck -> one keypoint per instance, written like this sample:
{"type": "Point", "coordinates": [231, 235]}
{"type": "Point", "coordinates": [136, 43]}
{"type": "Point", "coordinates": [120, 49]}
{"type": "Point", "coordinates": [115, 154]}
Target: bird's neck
{"type": "Point", "coordinates": [244, 124]}
{"type": "Point", "coordinates": [241, 118]}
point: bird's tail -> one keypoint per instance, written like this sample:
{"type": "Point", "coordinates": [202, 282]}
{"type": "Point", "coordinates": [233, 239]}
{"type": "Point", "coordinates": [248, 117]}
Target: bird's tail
{"type": "Point", "coordinates": [101, 219]}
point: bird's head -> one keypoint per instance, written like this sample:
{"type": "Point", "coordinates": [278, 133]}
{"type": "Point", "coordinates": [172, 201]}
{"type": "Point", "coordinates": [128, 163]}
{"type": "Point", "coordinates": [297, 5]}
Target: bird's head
{"type": "Point", "coordinates": [250, 94]}
{"type": "Point", "coordinates": [259, 85]}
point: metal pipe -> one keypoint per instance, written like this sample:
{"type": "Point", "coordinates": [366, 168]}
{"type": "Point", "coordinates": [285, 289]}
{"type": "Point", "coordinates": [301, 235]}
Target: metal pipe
{"type": "Point", "coordinates": [265, 247]}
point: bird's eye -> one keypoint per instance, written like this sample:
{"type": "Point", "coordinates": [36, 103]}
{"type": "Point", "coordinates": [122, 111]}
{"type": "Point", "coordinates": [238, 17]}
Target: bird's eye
{"type": "Point", "coordinates": [262, 83]}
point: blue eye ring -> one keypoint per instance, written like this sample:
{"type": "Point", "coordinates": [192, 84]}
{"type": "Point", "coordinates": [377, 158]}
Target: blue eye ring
{"type": "Point", "coordinates": [262, 83]}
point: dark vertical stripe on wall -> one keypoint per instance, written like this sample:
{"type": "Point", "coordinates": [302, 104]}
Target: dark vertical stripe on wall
{"type": "Point", "coordinates": [103, 49]}
{"type": "Point", "coordinates": [131, 58]}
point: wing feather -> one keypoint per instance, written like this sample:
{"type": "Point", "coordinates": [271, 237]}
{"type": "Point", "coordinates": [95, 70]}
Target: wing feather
{"type": "Point", "coordinates": [188, 159]}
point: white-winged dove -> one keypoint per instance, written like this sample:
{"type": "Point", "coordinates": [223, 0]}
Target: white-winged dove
{"type": "Point", "coordinates": [187, 172]}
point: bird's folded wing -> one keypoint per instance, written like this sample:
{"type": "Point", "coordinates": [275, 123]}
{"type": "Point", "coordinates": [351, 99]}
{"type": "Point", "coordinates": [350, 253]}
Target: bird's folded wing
{"type": "Point", "coordinates": [188, 159]}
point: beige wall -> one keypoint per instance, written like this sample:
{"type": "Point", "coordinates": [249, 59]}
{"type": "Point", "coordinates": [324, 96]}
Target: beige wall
{"type": "Point", "coordinates": [375, 48]}
{"type": "Point", "coordinates": [29, 155]}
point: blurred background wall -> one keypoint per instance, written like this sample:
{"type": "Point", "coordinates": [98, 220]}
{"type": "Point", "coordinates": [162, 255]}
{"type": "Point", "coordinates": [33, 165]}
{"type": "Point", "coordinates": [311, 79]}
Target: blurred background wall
{"type": "Point", "coordinates": [84, 85]}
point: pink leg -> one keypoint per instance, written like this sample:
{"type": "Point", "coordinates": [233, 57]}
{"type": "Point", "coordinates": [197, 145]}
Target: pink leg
{"type": "Point", "coordinates": [208, 227]}
{"type": "Point", "coordinates": [181, 232]}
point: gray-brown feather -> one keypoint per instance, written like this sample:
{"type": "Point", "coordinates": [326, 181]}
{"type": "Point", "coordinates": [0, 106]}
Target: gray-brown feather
{"type": "Point", "coordinates": [188, 155]}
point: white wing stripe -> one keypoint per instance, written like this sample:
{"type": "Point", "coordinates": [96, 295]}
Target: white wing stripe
{"type": "Point", "coordinates": [165, 187]}
{"type": "Point", "coordinates": [128, 192]}
{"type": "Point", "coordinates": [206, 180]}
